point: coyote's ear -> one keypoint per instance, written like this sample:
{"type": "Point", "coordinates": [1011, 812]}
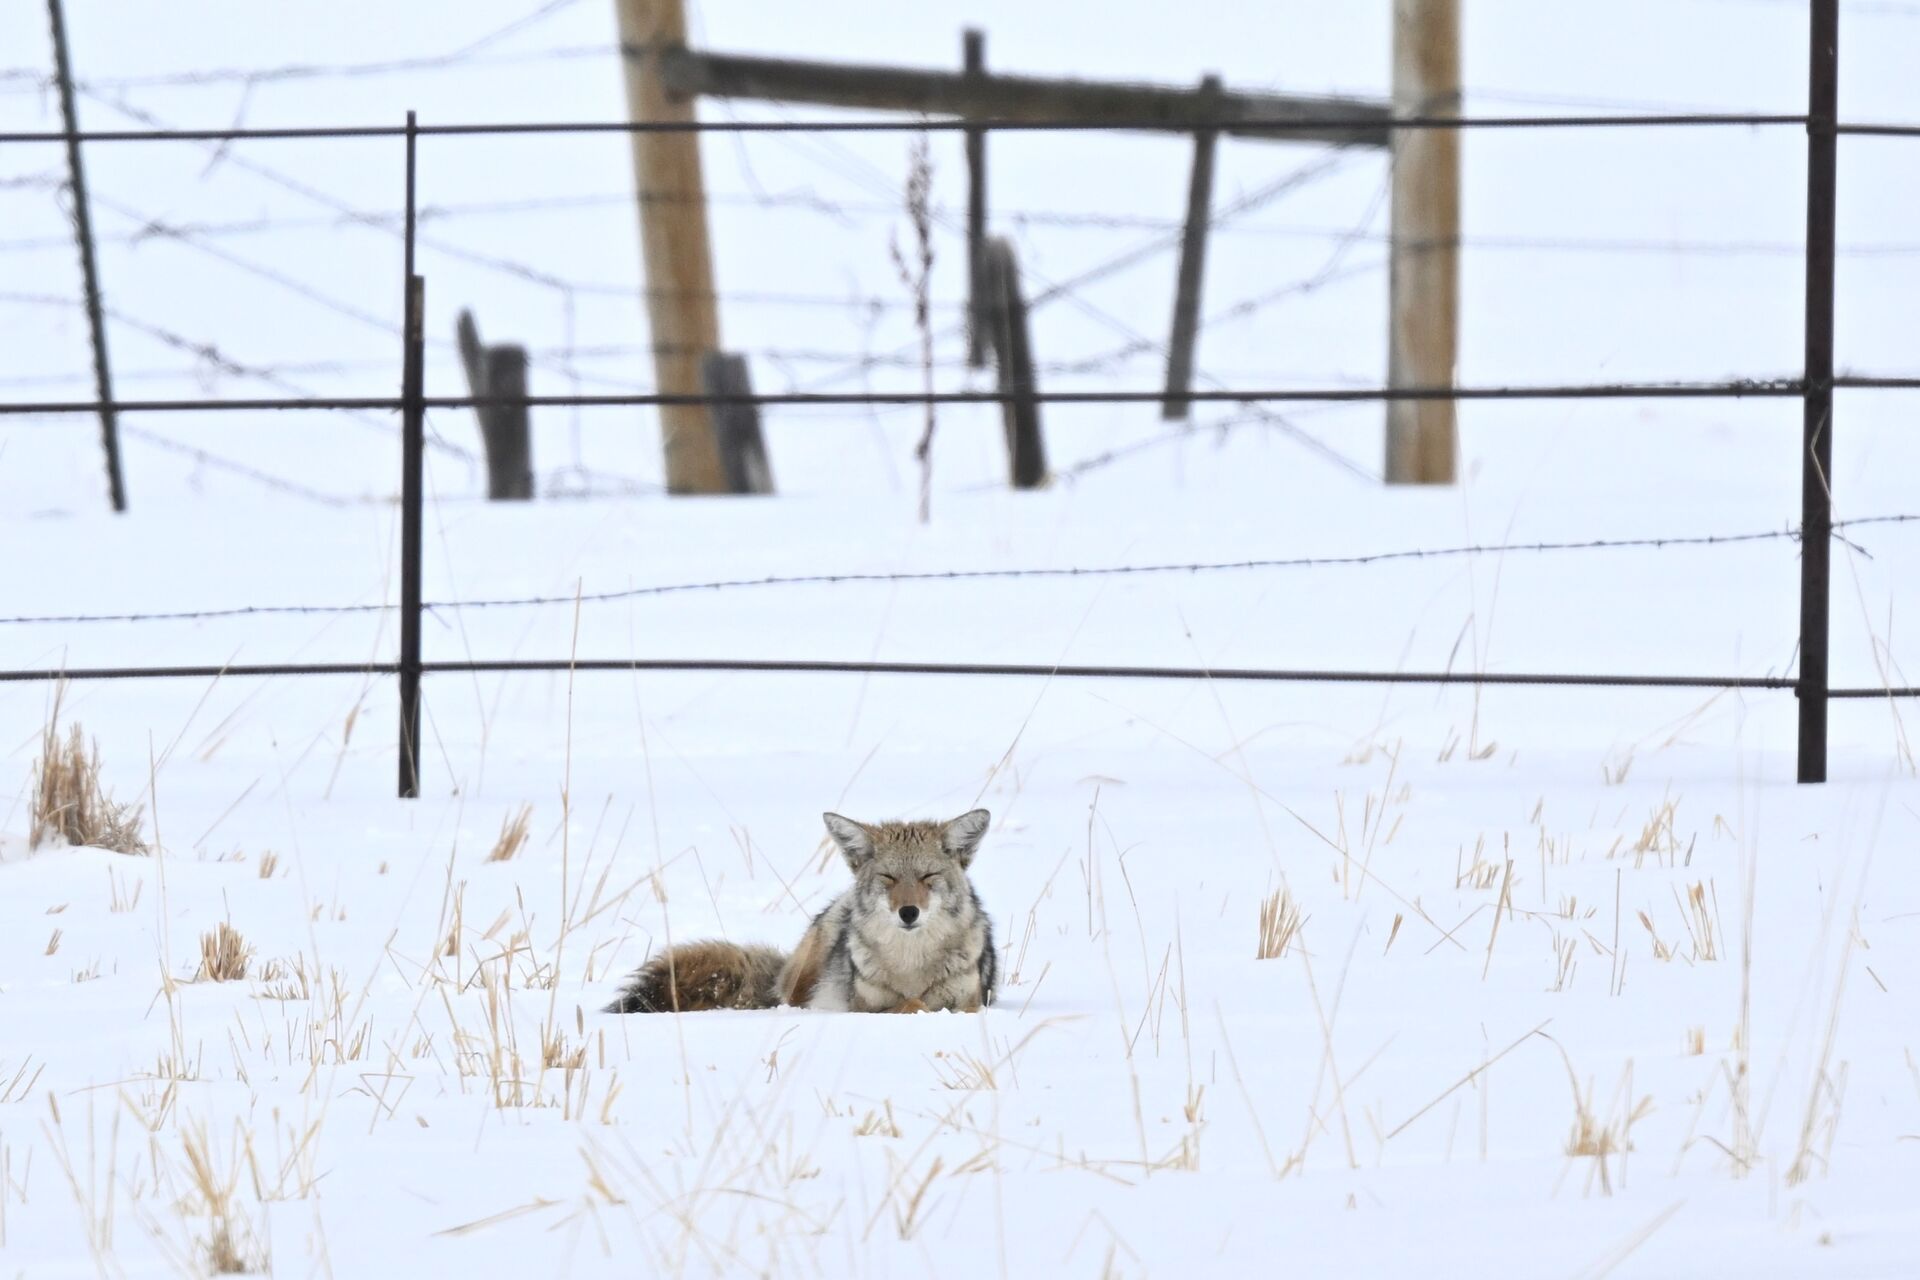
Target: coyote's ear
{"type": "Point", "coordinates": [962, 836]}
{"type": "Point", "coordinates": [855, 841]}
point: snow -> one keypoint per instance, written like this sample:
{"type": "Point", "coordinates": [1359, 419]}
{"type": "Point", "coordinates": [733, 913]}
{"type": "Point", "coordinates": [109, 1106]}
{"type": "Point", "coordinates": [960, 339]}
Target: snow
{"type": "Point", "coordinates": [1397, 1094]}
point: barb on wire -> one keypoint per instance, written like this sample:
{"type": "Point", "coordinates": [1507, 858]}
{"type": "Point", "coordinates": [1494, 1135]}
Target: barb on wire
{"type": "Point", "coordinates": [1043, 573]}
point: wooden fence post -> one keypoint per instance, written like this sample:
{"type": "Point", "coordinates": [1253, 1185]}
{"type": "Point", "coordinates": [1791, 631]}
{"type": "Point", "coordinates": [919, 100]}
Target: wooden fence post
{"type": "Point", "coordinates": [500, 374]}
{"type": "Point", "coordinates": [1013, 349]}
{"type": "Point", "coordinates": [1423, 284]}
{"type": "Point", "coordinates": [974, 56]}
{"type": "Point", "coordinates": [1193, 259]}
{"type": "Point", "coordinates": [681, 309]}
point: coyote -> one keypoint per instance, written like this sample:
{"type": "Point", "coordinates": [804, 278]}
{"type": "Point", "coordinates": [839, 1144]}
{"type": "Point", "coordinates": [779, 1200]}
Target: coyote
{"type": "Point", "coordinates": [910, 935]}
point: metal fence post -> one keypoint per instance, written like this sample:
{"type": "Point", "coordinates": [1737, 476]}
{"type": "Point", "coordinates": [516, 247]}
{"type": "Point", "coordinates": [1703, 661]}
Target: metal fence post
{"type": "Point", "coordinates": [413, 450]}
{"type": "Point", "coordinates": [1816, 458]}
{"type": "Point", "coordinates": [89, 269]}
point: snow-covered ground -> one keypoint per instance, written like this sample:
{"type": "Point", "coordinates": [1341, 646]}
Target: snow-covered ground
{"type": "Point", "coordinates": [1582, 985]}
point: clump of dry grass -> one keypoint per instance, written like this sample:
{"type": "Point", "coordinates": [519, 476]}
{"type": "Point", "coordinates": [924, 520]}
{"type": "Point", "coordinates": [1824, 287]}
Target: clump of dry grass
{"type": "Point", "coordinates": [556, 1055]}
{"type": "Point", "coordinates": [513, 835]}
{"type": "Point", "coordinates": [963, 1071]}
{"type": "Point", "coordinates": [287, 980]}
{"type": "Point", "coordinates": [1700, 910]}
{"type": "Point", "coordinates": [1661, 950]}
{"type": "Point", "coordinates": [68, 802]}
{"type": "Point", "coordinates": [269, 863]}
{"type": "Point", "coordinates": [1602, 1140]}
{"type": "Point", "coordinates": [232, 1247]}
{"type": "Point", "coordinates": [876, 1123]}
{"type": "Point", "coordinates": [119, 901]}
{"type": "Point", "coordinates": [1280, 922]}
{"type": "Point", "coordinates": [224, 955]}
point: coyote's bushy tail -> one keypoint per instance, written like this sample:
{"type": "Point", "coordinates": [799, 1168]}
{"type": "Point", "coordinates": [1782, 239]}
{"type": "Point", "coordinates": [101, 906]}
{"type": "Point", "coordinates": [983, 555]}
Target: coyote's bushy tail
{"type": "Point", "coordinates": [704, 975]}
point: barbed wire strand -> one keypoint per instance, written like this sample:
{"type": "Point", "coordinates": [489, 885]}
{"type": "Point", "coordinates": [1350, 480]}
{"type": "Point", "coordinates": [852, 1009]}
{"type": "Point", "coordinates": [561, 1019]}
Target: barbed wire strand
{"type": "Point", "coordinates": [849, 211]}
{"type": "Point", "coordinates": [976, 575]}
{"type": "Point", "coordinates": [1071, 289]}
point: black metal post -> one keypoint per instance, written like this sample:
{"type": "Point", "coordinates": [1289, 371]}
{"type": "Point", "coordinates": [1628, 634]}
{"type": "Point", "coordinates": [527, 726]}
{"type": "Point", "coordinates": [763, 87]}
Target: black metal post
{"type": "Point", "coordinates": [974, 54]}
{"type": "Point", "coordinates": [1816, 461]}
{"type": "Point", "coordinates": [89, 272]}
{"type": "Point", "coordinates": [413, 451]}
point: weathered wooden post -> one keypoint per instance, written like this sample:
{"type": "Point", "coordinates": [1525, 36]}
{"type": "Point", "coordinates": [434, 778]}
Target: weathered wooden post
{"type": "Point", "coordinates": [1013, 349]}
{"type": "Point", "coordinates": [499, 374]}
{"type": "Point", "coordinates": [1193, 259]}
{"type": "Point", "coordinates": [736, 423]}
{"type": "Point", "coordinates": [1423, 286]}
{"type": "Point", "coordinates": [681, 310]}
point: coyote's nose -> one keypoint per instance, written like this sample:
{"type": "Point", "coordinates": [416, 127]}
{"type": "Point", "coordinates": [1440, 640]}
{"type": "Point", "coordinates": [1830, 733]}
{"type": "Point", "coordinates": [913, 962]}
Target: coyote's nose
{"type": "Point", "coordinates": [909, 914]}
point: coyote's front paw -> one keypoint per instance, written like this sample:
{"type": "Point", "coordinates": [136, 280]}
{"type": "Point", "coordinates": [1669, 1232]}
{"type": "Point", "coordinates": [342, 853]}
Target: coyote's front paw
{"type": "Point", "coordinates": [909, 1005]}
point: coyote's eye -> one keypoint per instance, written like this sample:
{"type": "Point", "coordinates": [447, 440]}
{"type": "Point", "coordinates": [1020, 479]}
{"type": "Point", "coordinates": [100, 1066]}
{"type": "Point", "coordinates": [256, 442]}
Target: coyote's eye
{"type": "Point", "coordinates": [930, 877]}
{"type": "Point", "coordinates": [888, 879]}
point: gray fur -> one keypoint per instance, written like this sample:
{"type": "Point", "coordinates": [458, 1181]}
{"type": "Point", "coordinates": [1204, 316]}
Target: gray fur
{"type": "Point", "coordinates": [909, 934]}
{"type": "Point", "coordinates": [875, 963]}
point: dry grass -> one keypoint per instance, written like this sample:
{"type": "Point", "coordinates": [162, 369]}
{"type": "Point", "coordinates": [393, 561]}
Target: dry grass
{"type": "Point", "coordinates": [1482, 874]}
{"type": "Point", "coordinates": [1280, 921]}
{"type": "Point", "coordinates": [1660, 840]}
{"type": "Point", "coordinates": [68, 802]}
{"type": "Point", "coordinates": [556, 1055]}
{"type": "Point", "coordinates": [1604, 1140]}
{"type": "Point", "coordinates": [232, 1247]}
{"type": "Point", "coordinates": [874, 1122]}
{"type": "Point", "coordinates": [513, 835]}
{"type": "Point", "coordinates": [119, 901]}
{"type": "Point", "coordinates": [1615, 772]}
{"type": "Point", "coordinates": [1565, 961]}
{"type": "Point", "coordinates": [286, 980]}
{"type": "Point", "coordinates": [1661, 950]}
{"type": "Point", "coordinates": [224, 955]}
{"type": "Point", "coordinates": [917, 275]}
{"type": "Point", "coordinates": [1700, 911]}
{"type": "Point", "coordinates": [963, 1071]}
{"type": "Point", "coordinates": [269, 863]}
{"type": "Point", "coordinates": [19, 1085]}
{"type": "Point", "coordinates": [910, 1202]}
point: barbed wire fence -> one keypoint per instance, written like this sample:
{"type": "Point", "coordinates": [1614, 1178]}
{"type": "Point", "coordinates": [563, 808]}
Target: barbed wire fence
{"type": "Point", "coordinates": [1814, 386]}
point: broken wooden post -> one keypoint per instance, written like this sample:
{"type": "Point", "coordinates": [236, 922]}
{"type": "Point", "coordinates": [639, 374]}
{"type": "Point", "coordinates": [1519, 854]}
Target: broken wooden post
{"type": "Point", "coordinates": [499, 375]}
{"type": "Point", "coordinates": [1013, 350]}
{"type": "Point", "coordinates": [736, 423]}
{"type": "Point", "coordinates": [1193, 256]}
